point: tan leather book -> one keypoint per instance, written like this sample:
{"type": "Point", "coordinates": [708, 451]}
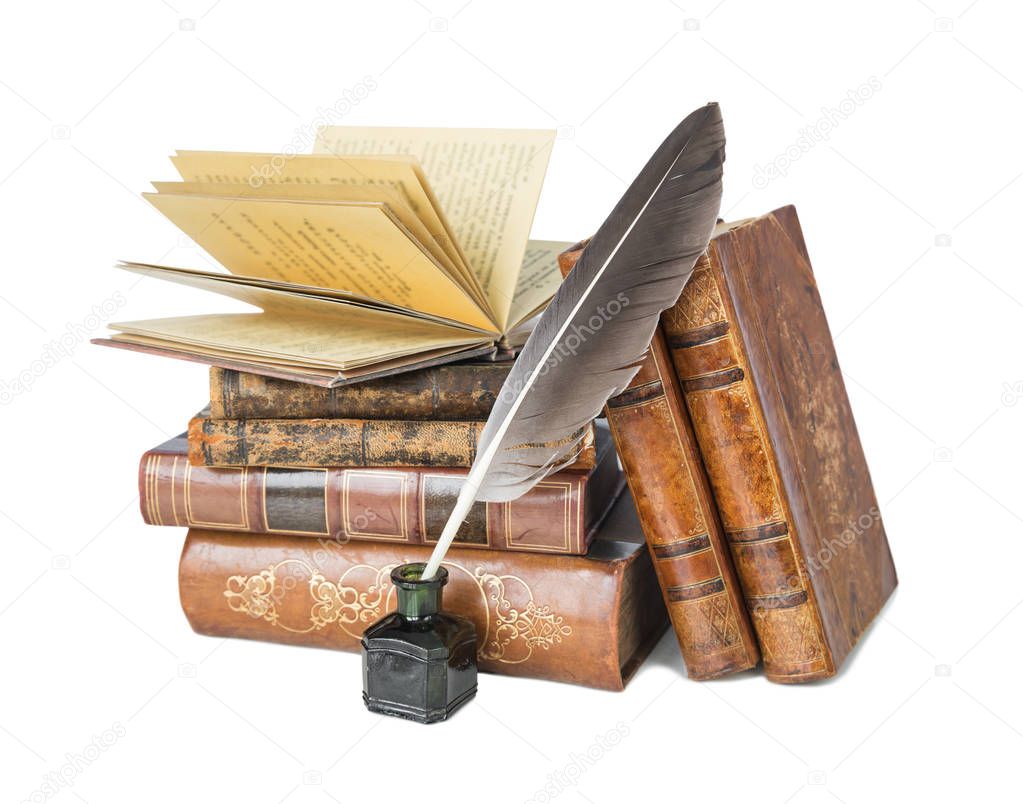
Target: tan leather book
{"type": "Point", "coordinates": [658, 451]}
{"type": "Point", "coordinates": [342, 443]}
{"type": "Point", "coordinates": [459, 392]}
{"type": "Point", "coordinates": [751, 345]}
{"type": "Point", "coordinates": [587, 620]}
{"type": "Point", "coordinates": [411, 505]}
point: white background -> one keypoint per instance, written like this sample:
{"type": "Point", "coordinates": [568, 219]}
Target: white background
{"type": "Point", "coordinates": [911, 212]}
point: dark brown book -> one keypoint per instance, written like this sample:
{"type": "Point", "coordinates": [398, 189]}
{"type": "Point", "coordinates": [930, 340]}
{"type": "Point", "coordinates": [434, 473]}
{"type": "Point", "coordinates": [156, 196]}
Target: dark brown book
{"type": "Point", "coordinates": [461, 391]}
{"type": "Point", "coordinates": [761, 380]}
{"type": "Point", "coordinates": [658, 450]}
{"type": "Point", "coordinates": [405, 506]}
{"type": "Point", "coordinates": [587, 620]}
{"type": "Point", "coordinates": [347, 443]}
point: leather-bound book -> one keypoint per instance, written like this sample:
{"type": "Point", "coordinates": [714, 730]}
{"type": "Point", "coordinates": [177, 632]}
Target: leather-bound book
{"type": "Point", "coordinates": [340, 443]}
{"type": "Point", "coordinates": [751, 345]}
{"type": "Point", "coordinates": [408, 506]}
{"type": "Point", "coordinates": [587, 620]}
{"type": "Point", "coordinates": [658, 450]}
{"type": "Point", "coordinates": [461, 391]}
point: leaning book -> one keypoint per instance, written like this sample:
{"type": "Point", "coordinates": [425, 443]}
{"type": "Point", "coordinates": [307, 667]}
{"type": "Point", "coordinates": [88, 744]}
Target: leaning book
{"type": "Point", "coordinates": [391, 248]}
{"type": "Point", "coordinates": [756, 362]}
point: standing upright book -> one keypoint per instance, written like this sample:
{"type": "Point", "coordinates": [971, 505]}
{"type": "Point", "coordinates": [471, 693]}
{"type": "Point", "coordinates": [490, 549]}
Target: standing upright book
{"type": "Point", "coordinates": [359, 264]}
{"type": "Point", "coordinates": [752, 348]}
{"type": "Point", "coordinates": [658, 450]}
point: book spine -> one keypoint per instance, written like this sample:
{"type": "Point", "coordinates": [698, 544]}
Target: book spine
{"type": "Point", "coordinates": [710, 360]}
{"type": "Point", "coordinates": [397, 506]}
{"type": "Point", "coordinates": [346, 443]}
{"type": "Point", "coordinates": [657, 447]}
{"type": "Point", "coordinates": [550, 617]}
{"type": "Point", "coordinates": [331, 442]}
{"type": "Point", "coordinates": [461, 392]}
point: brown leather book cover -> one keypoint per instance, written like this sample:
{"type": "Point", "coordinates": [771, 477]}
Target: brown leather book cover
{"type": "Point", "coordinates": [752, 348]}
{"type": "Point", "coordinates": [459, 392]}
{"type": "Point", "coordinates": [658, 450]}
{"type": "Point", "coordinates": [341, 443]}
{"type": "Point", "coordinates": [398, 506]}
{"type": "Point", "coordinates": [587, 620]}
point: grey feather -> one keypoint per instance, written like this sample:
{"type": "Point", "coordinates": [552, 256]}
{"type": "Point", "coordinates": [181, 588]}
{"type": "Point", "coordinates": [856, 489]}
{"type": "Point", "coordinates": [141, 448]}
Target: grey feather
{"type": "Point", "coordinates": [588, 344]}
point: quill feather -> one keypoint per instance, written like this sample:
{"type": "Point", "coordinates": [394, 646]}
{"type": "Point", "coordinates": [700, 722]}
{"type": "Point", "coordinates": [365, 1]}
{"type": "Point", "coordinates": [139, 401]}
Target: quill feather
{"type": "Point", "coordinates": [588, 344]}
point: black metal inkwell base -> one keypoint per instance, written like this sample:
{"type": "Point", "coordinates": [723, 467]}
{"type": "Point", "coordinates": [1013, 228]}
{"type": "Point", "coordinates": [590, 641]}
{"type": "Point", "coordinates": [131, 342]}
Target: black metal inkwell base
{"type": "Point", "coordinates": [418, 662]}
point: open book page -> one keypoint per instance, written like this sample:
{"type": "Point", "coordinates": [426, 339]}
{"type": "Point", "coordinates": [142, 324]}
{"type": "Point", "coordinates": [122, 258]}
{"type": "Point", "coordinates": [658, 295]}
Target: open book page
{"type": "Point", "coordinates": [399, 175]}
{"type": "Point", "coordinates": [355, 247]}
{"type": "Point", "coordinates": [315, 375]}
{"type": "Point", "coordinates": [302, 331]}
{"type": "Point", "coordinates": [368, 193]}
{"type": "Point", "coordinates": [237, 286]}
{"type": "Point", "coordinates": [487, 182]}
{"type": "Point", "coordinates": [270, 294]}
{"type": "Point", "coordinates": [267, 337]}
{"type": "Point", "coordinates": [539, 280]}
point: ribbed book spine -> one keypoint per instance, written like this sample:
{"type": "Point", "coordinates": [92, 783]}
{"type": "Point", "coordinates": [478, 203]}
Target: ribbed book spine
{"type": "Point", "coordinates": [657, 447]}
{"type": "Point", "coordinates": [710, 359]}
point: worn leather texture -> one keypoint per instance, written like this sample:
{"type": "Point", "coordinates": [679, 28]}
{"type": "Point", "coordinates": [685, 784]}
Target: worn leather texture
{"type": "Point", "coordinates": [340, 443]}
{"type": "Point", "coordinates": [593, 631]}
{"type": "Point", "coordinates": [390, 505]}
{"type": "Point", "coordinates": [752, 348]}
{"type": "Point", "coordinates": [463, 391]}
{"type": "Point", "coordinates": [658, 450]}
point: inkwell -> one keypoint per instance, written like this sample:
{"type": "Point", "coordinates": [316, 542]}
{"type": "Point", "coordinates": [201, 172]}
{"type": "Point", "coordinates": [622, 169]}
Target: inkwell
{"type": "Point", "coordinates": [418, 663]}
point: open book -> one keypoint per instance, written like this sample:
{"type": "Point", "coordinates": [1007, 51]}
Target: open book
{"type": "Point", "coordinates": [359, 266]}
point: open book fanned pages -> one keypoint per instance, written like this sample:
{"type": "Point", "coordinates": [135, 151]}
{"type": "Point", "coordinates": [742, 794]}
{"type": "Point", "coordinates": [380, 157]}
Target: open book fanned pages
{"type": "Point", "coordinates": [359, 265]}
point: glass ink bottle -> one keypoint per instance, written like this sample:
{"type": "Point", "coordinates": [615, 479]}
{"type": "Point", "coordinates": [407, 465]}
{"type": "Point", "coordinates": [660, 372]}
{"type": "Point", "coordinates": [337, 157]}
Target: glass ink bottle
{"type": "Point", "coordinates": [418, 662]}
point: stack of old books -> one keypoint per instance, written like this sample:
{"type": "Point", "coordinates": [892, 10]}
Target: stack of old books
{"type": "Point", "coordinates": [336, 434]}
{"type": "Point", "coordinates": [344, 412]}
{"type": "Point", "coordinates": [301, 499]}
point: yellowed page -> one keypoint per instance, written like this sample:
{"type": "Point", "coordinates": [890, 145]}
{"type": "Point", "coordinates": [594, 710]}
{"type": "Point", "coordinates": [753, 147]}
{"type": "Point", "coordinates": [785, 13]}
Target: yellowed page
{"type": "Point", "coordinates": [539, 279]}
{"type": "Point", "coordinates": [260, 336]}
{"type": "Point", "coordinates": [273, 295]}
{"type": "Point", "coordinates": [487, 182]}
{"type": "Point", "coordinates": [356, 247]}
{"type": "Point", "coordinates": [398, 174]}
{"type": "Point", "coordinates": [324, 193]}
{"type": "Point", "coordinates": [356, 338]}
{"type": "Point", "coordinates": [283, 369]}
